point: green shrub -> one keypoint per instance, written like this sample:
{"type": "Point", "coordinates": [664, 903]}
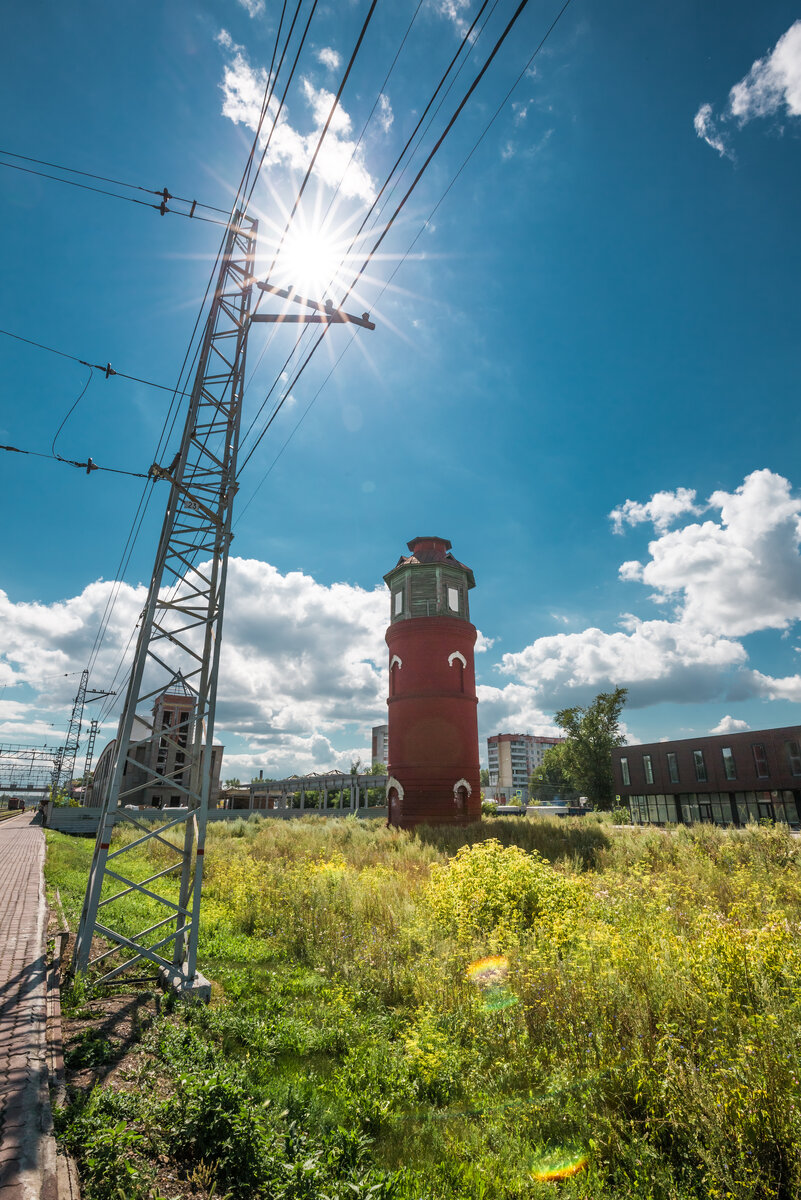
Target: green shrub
{"type": "Point", "coordinates": [490, 889]}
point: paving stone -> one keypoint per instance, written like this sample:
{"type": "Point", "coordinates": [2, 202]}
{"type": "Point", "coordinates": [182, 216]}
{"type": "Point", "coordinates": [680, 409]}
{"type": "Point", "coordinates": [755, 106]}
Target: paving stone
{"type": "Point", "coordinates": [22, 1009]}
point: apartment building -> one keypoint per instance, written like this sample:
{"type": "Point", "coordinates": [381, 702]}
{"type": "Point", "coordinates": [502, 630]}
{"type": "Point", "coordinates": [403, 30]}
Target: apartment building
{"type": "Point", "coordinates": [511, 758]}
{"type": "Point", "coordinates": [380, 744]}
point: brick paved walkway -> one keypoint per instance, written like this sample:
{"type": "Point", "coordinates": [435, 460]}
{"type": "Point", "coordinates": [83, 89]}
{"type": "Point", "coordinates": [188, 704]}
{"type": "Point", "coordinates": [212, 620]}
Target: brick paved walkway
{"type": "Point", "coordinates": [27, 1152]}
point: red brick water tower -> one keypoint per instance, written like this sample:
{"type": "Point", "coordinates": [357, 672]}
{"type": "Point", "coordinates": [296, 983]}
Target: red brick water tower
{"type": "Point", "coordinates": [433, 723]}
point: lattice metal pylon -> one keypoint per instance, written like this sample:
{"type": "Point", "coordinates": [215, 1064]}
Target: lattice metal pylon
{"type": "Point", "coordinates": [64, 759]}
{"type": "Point", "coordinates": [179, 647]}
{"type": "Point", "coordinates": [64, 764]}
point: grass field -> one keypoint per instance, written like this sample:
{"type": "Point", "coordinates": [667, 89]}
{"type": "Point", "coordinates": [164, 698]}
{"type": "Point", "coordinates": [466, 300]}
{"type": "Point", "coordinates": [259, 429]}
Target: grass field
{"type": "Point", "coordinates": [519, 1008]}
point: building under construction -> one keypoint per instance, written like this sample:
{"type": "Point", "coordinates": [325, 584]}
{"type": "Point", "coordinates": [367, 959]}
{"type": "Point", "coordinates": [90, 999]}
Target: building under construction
{"type": "Point", "coordinates": [155, 771]}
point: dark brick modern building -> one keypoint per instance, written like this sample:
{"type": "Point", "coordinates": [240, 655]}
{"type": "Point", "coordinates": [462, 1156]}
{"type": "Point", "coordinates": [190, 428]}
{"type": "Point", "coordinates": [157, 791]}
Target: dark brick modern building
{"type": "Point", "coordinates": [727, 779]}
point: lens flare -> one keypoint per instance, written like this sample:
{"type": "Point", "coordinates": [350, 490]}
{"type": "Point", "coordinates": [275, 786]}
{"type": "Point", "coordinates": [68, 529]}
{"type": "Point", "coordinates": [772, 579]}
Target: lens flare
{"type": "Point", "coordinates": [489, 975]}
{"type": "Point", "coordinates": [560, 1164]}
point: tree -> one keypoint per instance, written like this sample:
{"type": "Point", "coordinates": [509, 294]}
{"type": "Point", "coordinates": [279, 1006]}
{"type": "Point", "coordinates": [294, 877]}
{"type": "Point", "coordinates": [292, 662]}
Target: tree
{"type": "Point", "coordinates": [484, 777]}
{"type": "Point", "coordinates": [591, 734]}
{"type": "Point", "coordinates": [551, 780]}
{"type": "Point", "coordinates": [232, 783]}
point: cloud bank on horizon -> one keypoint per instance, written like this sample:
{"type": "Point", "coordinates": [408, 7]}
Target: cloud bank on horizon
{"type": "Point", "coordinates": [772, 87]}
{"type": "Point", "coordinates": [303, 673]}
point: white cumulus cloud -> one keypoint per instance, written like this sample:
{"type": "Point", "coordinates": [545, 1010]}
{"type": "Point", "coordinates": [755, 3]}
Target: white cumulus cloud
{"type": "Point", "coordinates": [773, 83]}
{"type": "Point", "coordinates": [771, 88]}
{"type": "Point", "coordinates": [661, 510]}
{"type": "Point", "coordinates": [329, 58]}
{"type": "Point", "coordinates": [254, 8]}
{"type": "Point", "coordinates": [456, 12]}
{"type": "Point", "coordinates": [339, 162]}
{"type": "Point", "coordinates": [385, 113]}
{"type": "Point", "coordinates": [730, 725]}
{"type": "Point", "coordinates": [303, 672]}
{"type": "Point", "coordinates": [719, 580]}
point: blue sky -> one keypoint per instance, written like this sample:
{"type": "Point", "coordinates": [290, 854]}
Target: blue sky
{"type": "Point", "coordinates": [600, 317]}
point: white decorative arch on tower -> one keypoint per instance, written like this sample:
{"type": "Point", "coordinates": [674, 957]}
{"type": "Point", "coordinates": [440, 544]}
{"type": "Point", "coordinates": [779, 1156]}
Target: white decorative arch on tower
{"type": "Point", "coordinates": [392, 782]}
{"type": "Point", "coordinates": [457, 654]}
{"type": "Point", "coordinates": [394, 660]}
{"type": "Point", "coordinates": [462, 783]}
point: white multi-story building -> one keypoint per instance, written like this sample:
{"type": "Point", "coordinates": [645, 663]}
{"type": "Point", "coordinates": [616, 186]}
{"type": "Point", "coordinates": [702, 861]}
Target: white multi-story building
{"type": "Point", "coordinates": [512, 757]}
{"type": "Point", "coordinates": [380, 744]}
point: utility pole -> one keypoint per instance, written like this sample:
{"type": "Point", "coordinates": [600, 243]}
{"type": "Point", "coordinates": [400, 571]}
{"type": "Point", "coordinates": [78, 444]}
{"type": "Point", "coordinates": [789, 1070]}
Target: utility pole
{"type": "Point", "coordinates": [178, 650]}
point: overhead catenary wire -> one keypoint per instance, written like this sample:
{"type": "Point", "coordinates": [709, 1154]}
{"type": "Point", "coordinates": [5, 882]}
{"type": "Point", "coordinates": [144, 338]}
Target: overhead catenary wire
{"type": "Point", "coordinates": [305, 331]}
{"type": "Point", "coordinates": [108, 370]}
{"type": "Point", "coordinates": [118, 182]}
{"type": "Point", "coordinates": [467, 41]}
{"type": "Point", "coordinates": [399, 207]}
{"type": "Point", "coordinates": [458, 173]}
{"type": "Point", "coordinates": [324, 131]}
{"type": "Point", "coordinates": [162, 208]}
{"type": "Point", "coordinates": [403, 201]}
{"type": "Point", "coordinates": [189, 360]}
{"type": "Point", "coordinates": [89, 466]}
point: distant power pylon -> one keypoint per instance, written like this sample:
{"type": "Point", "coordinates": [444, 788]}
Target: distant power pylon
{"type": "Point", "coordinates": [64, 760]}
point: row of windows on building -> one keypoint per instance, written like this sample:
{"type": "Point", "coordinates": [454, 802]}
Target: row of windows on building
{"type": "Point", "coordinates": [761, 766]}
{"type": "Point", "coordinates": [718, 808]}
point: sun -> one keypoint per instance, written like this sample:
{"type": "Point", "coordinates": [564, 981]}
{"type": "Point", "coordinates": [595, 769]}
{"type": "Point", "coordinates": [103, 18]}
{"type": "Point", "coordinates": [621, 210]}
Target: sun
{"type": "Point", "coordinates": [310, 261]}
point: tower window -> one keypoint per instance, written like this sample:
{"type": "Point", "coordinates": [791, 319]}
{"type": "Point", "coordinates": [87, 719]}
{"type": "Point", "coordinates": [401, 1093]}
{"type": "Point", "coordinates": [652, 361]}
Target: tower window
{"type": "Point", "coordinates": [398, 603]}
{"type": "Point", "coordinates": [453, 599]}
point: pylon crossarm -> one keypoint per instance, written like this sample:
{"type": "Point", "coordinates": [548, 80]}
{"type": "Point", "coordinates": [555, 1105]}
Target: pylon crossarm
{"type": "Point", "coordinates": [142, 933]}
{"type": "Point", "coordinates": [133, 886]}
{"type": "Point", "coordinates": [138, 886]}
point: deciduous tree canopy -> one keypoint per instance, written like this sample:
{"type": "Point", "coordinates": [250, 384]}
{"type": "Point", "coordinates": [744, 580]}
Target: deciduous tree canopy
{"type": "Point", "coordinates": [586, 754]}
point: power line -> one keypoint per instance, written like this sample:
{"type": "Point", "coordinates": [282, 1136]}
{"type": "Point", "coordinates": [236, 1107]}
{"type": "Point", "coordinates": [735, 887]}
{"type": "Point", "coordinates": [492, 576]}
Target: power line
{"type": "Point", "coordinates": [163, 192]}
{"type": "Point", "coordinates": [89, 466]}
{"type": "Point", "coordinates": [466, 41]}
{"type": "Point", "coordinates": [325, 128]}
{"type": "Point", "coordinates": [70, 411]}
{"type": "Point", "coordinates": [483, 134]}
{"type": "Point", "coordinates": [107, 370]}
{"type": "Point", "coordinates": [186, 366]}
{"type": "Point", "coordinates": [162, 208]}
